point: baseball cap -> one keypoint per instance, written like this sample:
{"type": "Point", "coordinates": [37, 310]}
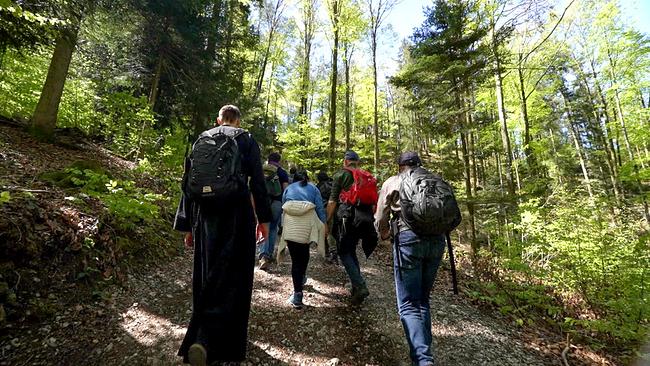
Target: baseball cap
{"type": "Point", "coordinates": [351, 155]}
{"type": "Point", "coordinates": [409, 158]}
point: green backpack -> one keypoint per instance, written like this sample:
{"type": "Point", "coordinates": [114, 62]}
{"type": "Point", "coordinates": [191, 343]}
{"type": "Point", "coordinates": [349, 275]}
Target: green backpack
{"type": "Point", "coordinates": [272, 180]}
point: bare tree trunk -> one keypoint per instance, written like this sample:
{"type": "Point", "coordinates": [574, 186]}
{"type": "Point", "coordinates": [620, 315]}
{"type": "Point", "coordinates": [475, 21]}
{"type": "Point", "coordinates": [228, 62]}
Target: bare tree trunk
{"type": "Point", "coordinates": [153, 93]}
{"type": "Point", "coordinates": [578, 147]}
{"type": "Point", "coordinates": [505, 137]}
{"type": "Point", "coordinates": [528, 151]}
{"type": "Point", "coordinates": [467, 169]}
{"type": "Point", "coordinates": [348, 127]}
{"type": "Point", "coordinates": [45, 114]}
{"type": "Point", "coordinates": [375, 110]}
{"type": "Point", "coordinates": [335, 72]}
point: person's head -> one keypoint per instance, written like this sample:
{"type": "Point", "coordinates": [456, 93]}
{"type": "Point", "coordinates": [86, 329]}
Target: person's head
{"type": "Point", "coordinates": [229, 115]}
{"type": "Point", "coordinates": [408, 160]}
{"type": "Point", "coordinates": [322, 176]}
{"type": "Point", "coordinates": [301, 176]}
{"type": "Point", "coordinates": [351, 158]}
{"type": "Point", "coordinates": [275, 157]}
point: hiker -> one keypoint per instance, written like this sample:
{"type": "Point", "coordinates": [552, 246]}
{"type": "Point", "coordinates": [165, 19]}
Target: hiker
{"type": "Point", "coordinates": [217, 214]}
{"type": "Point", "coordinates": [325, 187]}
{"type": "Point", "coordinates": [350, 209]}
{"type": "Point", "coordinates": [292, 174]}
{"type": "Point", "coordinates": [417, 251]}
{"type": "Point", "coordinates": [304, 223]}
{"type": "Point", "coordinates": [277, 180]}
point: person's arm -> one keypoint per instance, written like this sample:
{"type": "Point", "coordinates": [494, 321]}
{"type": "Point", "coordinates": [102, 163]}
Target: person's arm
{"type": "Point", "coordinates": [183, 218]}
{"type": "Point", "coordinates": [382, 214]}
{"type": "Point", "coordinates": [331, 209]}
{"type": "Point", "coordinates": [318, 201]}
{"type": "Point", "coordinates": [257, 184]}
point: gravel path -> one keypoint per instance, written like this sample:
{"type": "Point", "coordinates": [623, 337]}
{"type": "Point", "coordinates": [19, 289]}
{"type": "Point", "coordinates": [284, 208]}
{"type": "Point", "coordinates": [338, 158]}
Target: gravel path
{"type": "Point", "coordinates": [144, 322]}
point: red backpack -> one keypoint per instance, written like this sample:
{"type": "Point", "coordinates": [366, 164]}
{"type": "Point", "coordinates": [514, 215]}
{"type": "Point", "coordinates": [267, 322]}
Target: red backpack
{"type": "Point", "coordinates": [363, 191]}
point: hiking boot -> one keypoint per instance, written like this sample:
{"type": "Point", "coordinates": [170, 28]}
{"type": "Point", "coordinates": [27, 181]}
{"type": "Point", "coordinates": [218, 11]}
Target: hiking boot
{"type": "Point", "coordinates": [265, 264]}
{"type": "Point", "coordinates": [296, 300]}
{"type": "Point", "coordinates": [359, 294]}
{"type": "Point", "coordinates": [197, 355]}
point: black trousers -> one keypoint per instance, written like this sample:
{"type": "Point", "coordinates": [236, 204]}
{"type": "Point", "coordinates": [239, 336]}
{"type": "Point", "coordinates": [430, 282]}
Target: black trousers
{"type": "Point", "coordinates": [299, 259]}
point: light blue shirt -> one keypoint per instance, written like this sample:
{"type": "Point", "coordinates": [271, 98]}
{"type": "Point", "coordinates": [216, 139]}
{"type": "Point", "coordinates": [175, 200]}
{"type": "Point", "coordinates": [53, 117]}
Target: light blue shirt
{"type": "Point", "coordinates": [309, 193]}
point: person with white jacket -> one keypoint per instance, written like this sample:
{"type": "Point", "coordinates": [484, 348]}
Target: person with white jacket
{"type": "Point", "coordinates": [303, 218]}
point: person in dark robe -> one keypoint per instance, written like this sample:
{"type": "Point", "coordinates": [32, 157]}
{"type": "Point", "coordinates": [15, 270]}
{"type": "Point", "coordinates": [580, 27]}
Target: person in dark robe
{"type": "Point", "coordinates": [223, 237]}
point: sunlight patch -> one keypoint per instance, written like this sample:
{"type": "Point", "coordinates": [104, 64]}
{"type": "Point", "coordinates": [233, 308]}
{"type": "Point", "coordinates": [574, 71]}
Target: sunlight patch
{"type": "Point", "coordinates": [149, 329]}
{"type": "Point", "coordinates": [286, 355]}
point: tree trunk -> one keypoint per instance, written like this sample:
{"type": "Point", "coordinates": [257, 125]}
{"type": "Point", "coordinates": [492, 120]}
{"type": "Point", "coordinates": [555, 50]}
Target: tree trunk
{"type": "Point", "coordinates": [376, 111]}
{"type": "Point", "coordinates": [346, 61]}
{"type": "Point", "coordinates": [528, 151]}
{"type": "Point", "coordinates": [578, 146]}
{"type": "Point", "coordinates": [335, 69]}
{"type": "Point", "coordinates": [467, 170]}
{"type": "Point", "coordinates": [505, 137]}
{"type": "Point", "coordinates": [153, 93]}
{"type": "Point", "coordinates": [214, 32]}
{"type": "Point", "coordinates": [45, 114]}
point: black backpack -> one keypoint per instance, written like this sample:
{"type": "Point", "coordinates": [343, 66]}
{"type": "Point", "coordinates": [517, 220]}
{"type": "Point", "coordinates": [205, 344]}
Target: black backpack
{"type": "Point", "coordinates": [215, 172]}
{"type": "Point", "coordinates": [428, 205]}
{"type": "Point", "coordinates": [325, 189]}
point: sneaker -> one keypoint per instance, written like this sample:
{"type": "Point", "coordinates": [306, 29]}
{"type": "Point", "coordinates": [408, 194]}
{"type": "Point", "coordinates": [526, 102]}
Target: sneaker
{"type": "Point", "coordinates": [197, 355]}
{"type": "Point", "coordinates": [296, 300]}
{"type": "Point", "coordinates": [265, 264]}
{"type": "Point", "coordinates": [359, 294]}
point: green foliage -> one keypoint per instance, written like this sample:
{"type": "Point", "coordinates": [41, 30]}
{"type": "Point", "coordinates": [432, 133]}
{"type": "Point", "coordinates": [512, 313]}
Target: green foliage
{"type": "Point", "coordinates": [127, 123]}
{"type": "Point", "coordinates": [20, 28]}
{"type": "Point", "coordinates": [574, 255]}
{"type": "Point", "coordinates": [129, 205]}
{"type": "Point", "coordinates": [21, 78]}
{"type": "Point", "coordinates": [5, 197]}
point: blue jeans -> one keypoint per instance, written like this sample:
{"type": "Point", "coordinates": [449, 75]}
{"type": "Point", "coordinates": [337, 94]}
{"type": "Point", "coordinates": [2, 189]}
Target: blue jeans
{"type": "Point", "coordinates": [416, 262]}
{"type": "Point", "coordinates": [266, 249]}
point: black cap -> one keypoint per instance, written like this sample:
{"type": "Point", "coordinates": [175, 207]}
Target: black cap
{"type": "Point", "coordinates": [351, 155]}
{"type": "Point", "coordinates": [409, 158]}
{"type": "Point", "coordinates": [322, 176]}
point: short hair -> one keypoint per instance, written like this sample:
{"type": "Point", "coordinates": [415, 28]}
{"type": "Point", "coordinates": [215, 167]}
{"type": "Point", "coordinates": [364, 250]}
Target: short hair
{"type": "Point", "coordinates": [229, 113]}
{"type": "Point", "coordinates": [275, 157]}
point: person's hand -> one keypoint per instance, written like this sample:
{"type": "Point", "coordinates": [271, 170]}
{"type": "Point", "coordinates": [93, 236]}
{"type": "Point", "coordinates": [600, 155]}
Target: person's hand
{"type": "Point", "coordinates": [384, 234]}
{"type": "Point", "coordinates": [262, 231]}
{"type": "Point", "coordinates": [189, 241]}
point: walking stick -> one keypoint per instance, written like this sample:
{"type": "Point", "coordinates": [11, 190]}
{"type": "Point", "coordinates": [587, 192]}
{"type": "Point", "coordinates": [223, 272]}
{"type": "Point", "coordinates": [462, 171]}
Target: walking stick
{"type": "Point", "coordinates": [454, 280]}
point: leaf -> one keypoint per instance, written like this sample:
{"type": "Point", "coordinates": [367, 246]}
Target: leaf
{"type": "Point", "coordinates": [5, 197]}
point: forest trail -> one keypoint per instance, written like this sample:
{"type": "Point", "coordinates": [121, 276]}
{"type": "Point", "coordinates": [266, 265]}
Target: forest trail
{"type": "Point", "coordinates": [143, 323]}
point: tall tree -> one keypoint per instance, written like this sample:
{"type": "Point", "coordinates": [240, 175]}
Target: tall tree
{"type": "Point", "coordinates": [448, 58]}
{"type": "Point", "coordinates": [377, 10]}
{"type": "Point", "coordinates": [45, 115]}
{"type": "Point", "coordinates": [334, 9]}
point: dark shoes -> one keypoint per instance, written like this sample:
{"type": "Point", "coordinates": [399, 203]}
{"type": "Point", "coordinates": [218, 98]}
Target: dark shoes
{"type": "Point", "coordinates": [359, 294]}
{"type": "Point", "coordinates": [197, 355]}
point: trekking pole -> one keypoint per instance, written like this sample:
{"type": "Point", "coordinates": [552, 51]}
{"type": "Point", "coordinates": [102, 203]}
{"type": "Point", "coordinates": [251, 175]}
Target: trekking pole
{"type": "Point", "coordinates": [454, 280]}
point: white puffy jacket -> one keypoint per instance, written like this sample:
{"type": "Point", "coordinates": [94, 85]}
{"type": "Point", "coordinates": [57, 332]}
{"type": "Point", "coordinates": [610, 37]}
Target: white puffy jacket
{"type": "Point", "coordinates": [301, 224]}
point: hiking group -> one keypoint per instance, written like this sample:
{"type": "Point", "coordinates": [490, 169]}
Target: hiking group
{"type": "Point", "coordinates": [231, 201]}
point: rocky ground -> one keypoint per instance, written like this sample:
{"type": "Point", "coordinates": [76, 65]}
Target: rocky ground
{"type": "Point", "coordinates": [143, 323]}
